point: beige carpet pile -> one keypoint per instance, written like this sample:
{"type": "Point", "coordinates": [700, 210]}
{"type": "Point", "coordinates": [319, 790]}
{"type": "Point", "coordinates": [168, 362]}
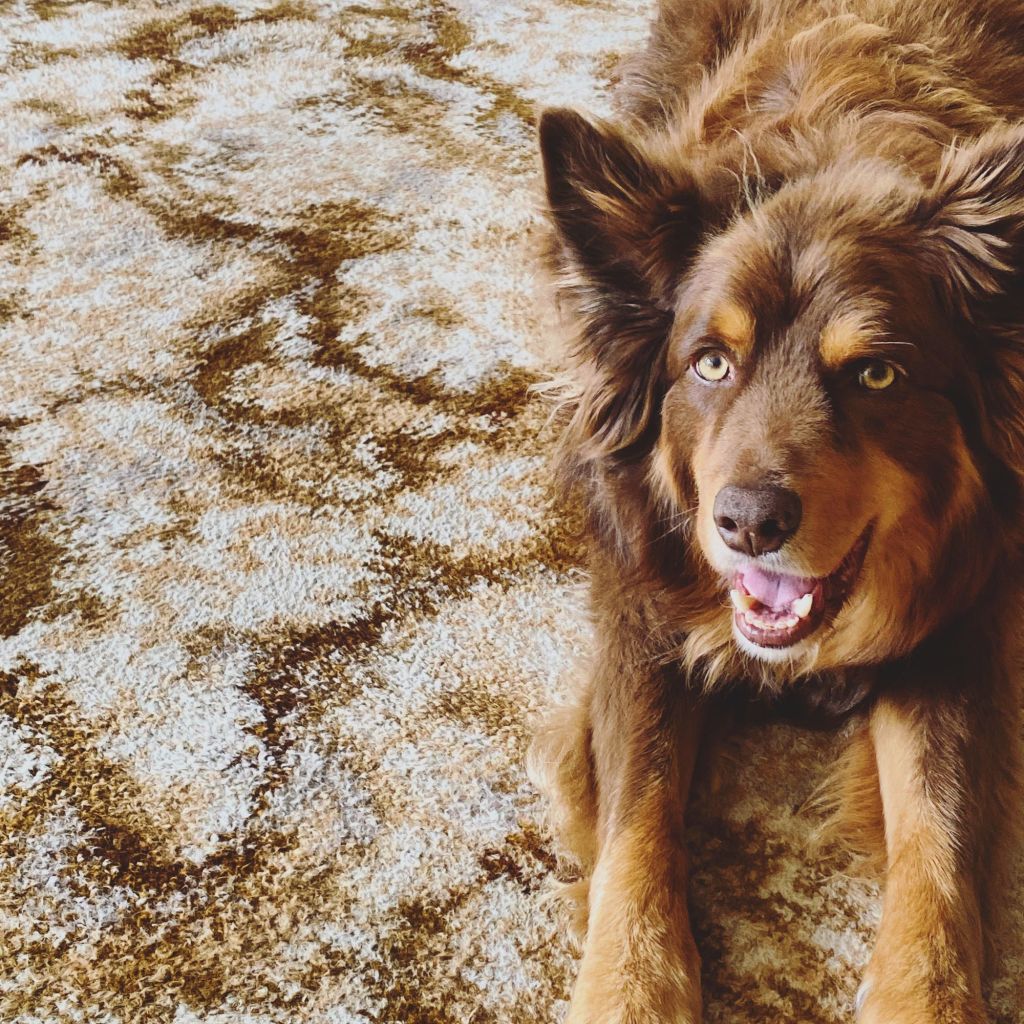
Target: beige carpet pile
{"type": "Point", "coordinates": [280, 585]}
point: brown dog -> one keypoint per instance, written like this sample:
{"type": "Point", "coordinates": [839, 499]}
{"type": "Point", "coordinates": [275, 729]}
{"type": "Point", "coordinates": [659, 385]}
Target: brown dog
{"type": "Point", "coordinates": [794, 412]}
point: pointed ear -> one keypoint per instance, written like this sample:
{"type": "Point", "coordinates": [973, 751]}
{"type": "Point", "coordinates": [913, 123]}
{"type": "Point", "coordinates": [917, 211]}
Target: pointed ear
{"type": "Point", "coordinates": [625, 230]}
{"type": "Point", "coordinates": [973, 219]}
{"type": "Point", "coordinates": [620, 217]}
{"type": "Point", "coordinates": [974, 228]}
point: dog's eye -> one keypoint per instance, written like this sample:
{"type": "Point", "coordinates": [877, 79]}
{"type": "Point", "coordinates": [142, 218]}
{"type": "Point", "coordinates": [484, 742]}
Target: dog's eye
{"type": "Point", "coordinates": [712, 366]}
{"type": "Point", "coordinates": [877, 375]}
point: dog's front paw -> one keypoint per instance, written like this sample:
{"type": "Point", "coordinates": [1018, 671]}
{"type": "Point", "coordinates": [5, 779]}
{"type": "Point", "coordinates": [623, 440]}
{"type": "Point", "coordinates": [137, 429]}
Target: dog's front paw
{"type": "Point", "coordinates": [903, 1001]}
{"type": "Point", "coordinates": [619, 1009]}
{"type": "Point", "coordinates": [664, 989]}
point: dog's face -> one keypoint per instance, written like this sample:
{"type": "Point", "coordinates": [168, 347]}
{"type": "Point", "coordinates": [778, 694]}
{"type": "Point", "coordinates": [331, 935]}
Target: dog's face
{"type": "Point", "coordinates": [811, 415]}
{"type": "Point", "coordinates": [803, 374]}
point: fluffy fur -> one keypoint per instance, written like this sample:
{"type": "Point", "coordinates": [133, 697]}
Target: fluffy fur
{"type": "Point", "coordinates": [805, 189]}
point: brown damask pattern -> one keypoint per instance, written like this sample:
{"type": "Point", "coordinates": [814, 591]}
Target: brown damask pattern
{"type": "Point", "coordinates": [280, 587]}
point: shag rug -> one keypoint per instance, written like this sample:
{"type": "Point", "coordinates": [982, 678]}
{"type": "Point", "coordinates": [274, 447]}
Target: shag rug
{"type": "Point", "coordinates": [281, 586]}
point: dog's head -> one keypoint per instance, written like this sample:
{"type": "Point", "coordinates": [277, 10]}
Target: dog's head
{"type": "Point", "coordinates": [825, 376]}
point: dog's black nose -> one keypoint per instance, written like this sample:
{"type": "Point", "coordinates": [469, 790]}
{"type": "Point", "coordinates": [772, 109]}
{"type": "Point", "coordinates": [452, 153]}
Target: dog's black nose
{"type": "Point", "coordinates": [756, 520]}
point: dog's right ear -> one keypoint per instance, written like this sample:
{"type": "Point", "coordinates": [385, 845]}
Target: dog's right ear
{"type": "Point", "coordinates": [626, 229]}
{"type": "Point", "coordinates": [619, 216]}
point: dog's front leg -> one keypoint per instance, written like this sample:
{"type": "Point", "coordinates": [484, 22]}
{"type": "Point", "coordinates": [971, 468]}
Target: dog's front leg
{"type": "Point", "coordinates": [640, 964]}
{"type": "Point", "coordinates": [944, 741]}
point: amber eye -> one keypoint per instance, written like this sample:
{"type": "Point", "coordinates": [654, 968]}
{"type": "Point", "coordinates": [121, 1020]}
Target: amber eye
{"type": "Point", "coordinates": [877, 375]}
{"type": "Point", "coordinates": [712, 366]}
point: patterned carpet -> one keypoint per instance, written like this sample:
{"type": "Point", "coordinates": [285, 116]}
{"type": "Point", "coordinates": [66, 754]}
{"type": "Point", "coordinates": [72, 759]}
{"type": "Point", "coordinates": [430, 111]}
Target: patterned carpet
{"type": "Point", "coordinates": [281, 584]}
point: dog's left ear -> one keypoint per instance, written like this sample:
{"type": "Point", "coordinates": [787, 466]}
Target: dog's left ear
{"type": "Point", "coordinates": [626, 227]}
{"type": "Point", "coordinates": [973, 219]}
{"type": "Point", "coordinates": [974, 246]}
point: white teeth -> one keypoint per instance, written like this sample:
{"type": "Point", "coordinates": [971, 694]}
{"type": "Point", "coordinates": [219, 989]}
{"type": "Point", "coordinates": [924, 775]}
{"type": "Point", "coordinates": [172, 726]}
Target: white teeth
{"type": "Point", "coordinates": [746, 605]}
{"type": "Point", "coordinates": [753, 619]}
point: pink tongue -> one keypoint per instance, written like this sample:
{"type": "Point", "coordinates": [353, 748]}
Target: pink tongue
{"type": "Point", "coordinates": [772, 589]}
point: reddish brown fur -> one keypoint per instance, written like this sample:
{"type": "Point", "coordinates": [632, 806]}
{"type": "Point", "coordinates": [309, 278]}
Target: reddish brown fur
{"type": "Point", "coordinates": [798, 187]}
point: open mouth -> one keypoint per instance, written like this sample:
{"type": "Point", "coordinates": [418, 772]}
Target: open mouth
{"type": "Point", "coordinates": [777, 610]}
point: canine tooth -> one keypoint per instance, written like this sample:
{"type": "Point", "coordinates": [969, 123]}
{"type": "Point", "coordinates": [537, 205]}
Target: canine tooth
{"type": "Point", "coordinates": [742, 602]}
{"type": "Point", "coordinates": [801, 607]}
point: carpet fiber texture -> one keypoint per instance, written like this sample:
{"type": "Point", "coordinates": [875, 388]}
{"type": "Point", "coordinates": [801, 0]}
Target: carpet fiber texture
{"type": "Point", "coordinates": [281, 586]}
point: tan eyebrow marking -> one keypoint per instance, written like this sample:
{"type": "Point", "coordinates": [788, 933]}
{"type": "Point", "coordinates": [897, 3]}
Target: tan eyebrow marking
{"type": "Point", "coordinates": [847, 338]}
{"type": "Point", "coordinates": [734, 325]}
